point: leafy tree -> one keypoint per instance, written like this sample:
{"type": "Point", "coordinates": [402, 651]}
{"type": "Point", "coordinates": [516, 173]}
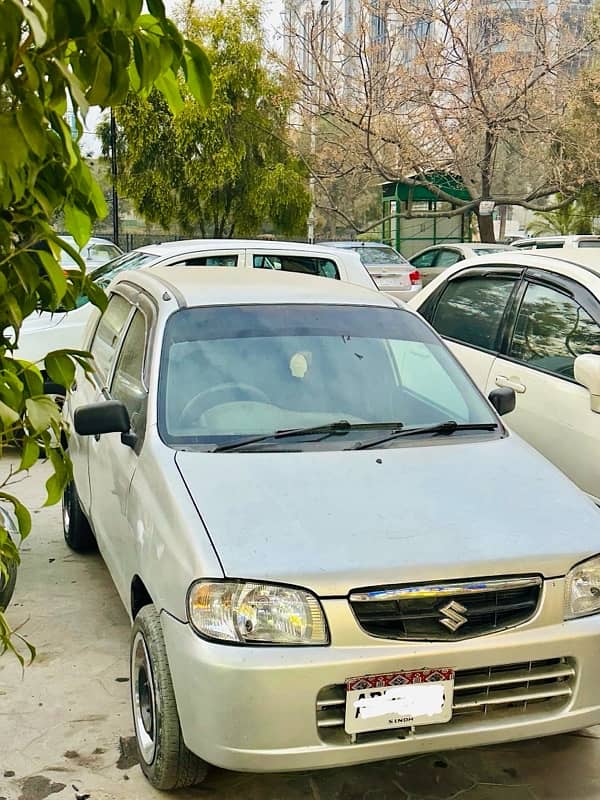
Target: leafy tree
{"type": "Point", "coordinates": [575, 218]}
{"type": "Point", "coordinates": [223, 169]}
{"type": "Point", "coordinates": [90, 52]}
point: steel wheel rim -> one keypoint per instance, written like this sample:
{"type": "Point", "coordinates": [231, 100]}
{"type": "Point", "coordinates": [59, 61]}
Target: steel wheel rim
{"type": "Point", "coordinates": [144, 699]}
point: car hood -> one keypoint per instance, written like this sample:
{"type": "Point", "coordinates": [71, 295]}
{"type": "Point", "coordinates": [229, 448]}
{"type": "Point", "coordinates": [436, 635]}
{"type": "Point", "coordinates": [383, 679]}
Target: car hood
{"type": "Point", "coordinates": [338, 520]}
{"type": "Point", "coordinates": [40, 320]}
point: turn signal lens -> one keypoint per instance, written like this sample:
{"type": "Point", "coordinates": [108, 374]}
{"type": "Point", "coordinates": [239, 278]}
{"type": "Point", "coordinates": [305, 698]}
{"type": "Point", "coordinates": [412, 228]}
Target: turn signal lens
{"type": "Point", "coordinates": [415, 277]}
{"type": "Point", "coordinates": [256, 613]}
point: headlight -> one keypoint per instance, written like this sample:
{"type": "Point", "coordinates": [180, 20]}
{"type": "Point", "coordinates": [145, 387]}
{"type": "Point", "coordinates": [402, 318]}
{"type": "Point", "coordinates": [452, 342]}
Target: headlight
{"type": "Point", "coordinates": [582, 589]}
{"type": "Point", "coordinates": [256, 613]}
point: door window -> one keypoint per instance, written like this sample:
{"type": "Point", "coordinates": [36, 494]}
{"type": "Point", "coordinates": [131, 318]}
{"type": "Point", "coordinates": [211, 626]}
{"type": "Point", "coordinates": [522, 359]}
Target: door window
{"type": "Point", "coordinates": [308, 265]}
{"type": "Point", "coordinates": [107, 334]}
{"type": "Point", "coordinates": [471, 309]}
{"type": "Point", "coordinates": [446, 258]}
{"type": "Point", "coordinates": [128, 381]}
{"type": "Point", "coordinates": [215, 260]}
{"type": "Point", "coordinates": [552, 330]}
{"type": "Point", "coordinates": [425, 259]}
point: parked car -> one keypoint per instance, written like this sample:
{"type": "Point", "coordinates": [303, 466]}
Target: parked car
{"type": "Point", "coordinates": [557, 242]}
{"type": "Point", "coordinates": [95, 253]}
{"type": "Point", "coordinates": [432, 261]}
{"type": "Point", "coordinates": [391, 271]}
{"type": "Point", "coordinates": [7, 582]}
{"type": "Point", "coordinates": [531, 322]}
{"type": "Point", "coordinates": [331, 548]}
{"type": "Point", "coordinates": [43, 332]}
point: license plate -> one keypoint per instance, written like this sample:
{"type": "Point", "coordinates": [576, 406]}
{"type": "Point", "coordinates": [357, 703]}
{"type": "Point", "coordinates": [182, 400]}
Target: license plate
{"type": "Point", "coordinates": [393, 283]}
{"type": "Point", "coordinates": [399, 700]}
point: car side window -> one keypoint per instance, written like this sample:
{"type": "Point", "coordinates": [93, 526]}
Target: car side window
{"type": "Point", "coordinates": [308, 265]}
{"type": "Point", "coordinates": [470, 309]}
{"type": "Point", "coordinates": [446, 258]}
{"type": "Point", "coordinates": [128, 378]}
{"type": "Point", "coordinates": [219, 260]}
{"type": "Point", "coordinates": [551, 330]}
{"type": "Point", "coordinates": [107, 334]}
{"type": "Point", "coordinates": [425, 259]}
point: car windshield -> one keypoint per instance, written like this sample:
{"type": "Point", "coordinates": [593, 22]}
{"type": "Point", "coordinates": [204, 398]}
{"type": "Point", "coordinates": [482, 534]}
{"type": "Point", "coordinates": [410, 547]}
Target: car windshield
{"type": "Point", "coordinates": [379, 255]}
{"type": "Point", "coordinates": [235, 371]}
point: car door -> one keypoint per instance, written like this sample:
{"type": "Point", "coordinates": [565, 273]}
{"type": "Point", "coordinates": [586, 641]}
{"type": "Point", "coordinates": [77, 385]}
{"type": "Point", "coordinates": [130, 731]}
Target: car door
{"type": "Point", "coordinates": [446, 257]}
{"type": "Point", "coordinates": [89, 388]}
{"type": "Point", "coordinates": [112, 462]}
{"type": "Point", "coordinates": [469, 312]}
{"type": "Point", "coordinates": [552, 327]}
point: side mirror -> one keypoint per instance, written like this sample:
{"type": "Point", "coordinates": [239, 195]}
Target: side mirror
{"type": "Point", "coordinates": [97, 418]}
{"type": "Point", "coordinates": [503, 399]}
{"type": "Point", "coordinates": [587, 373]}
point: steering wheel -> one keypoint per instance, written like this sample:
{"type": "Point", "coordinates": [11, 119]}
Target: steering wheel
{"type": "Point", "coordinates": [213, 397]}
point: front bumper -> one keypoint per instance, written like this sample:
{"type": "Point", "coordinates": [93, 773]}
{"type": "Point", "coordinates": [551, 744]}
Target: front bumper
{"type": "Point", "coordinates": [255, 709]}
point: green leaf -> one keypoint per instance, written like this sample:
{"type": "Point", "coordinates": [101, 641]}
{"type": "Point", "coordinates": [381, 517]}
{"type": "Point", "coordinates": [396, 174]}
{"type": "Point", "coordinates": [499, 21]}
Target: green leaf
{"type": "Point", "coordinates": [21, 513]}
{"type": "Point", "coordinates": [57, 483]}
{"type": "Point", "coordinates": [78, 223]}
{"type": "Point", "coordinates": [167, 85]}
{"type": "Point", "coordinates": [97, 295]}
{"type": "Point", "coordinates": [75, 86]}
{"type": "Point", "coordinates": [55, 273]}
{"type": "Point", "coordinates": [13, 151]}
{"type": "Point", "coordinates": [156, 8]}
{"type": "Point", "coordinates": [198, 73]}
{"type": "Point", "coordinates": [41, 413]}
{"type": "Point", "coordinates": [8, 416]}
{"type": "Point", "coordinates": [29, 454]}
{"type": "Point", "coordinates": [36, 25]}
{"type": "Point", "coordinates": [32, 128]}
{"type": "Point", "coordinates": [60, 368]}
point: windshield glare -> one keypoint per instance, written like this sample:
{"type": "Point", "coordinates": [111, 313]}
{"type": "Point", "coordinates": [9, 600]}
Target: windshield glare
{"type": "Point", "coordinates": [251, 370]}
{"type": "Point", "coordinates": [379, 255]}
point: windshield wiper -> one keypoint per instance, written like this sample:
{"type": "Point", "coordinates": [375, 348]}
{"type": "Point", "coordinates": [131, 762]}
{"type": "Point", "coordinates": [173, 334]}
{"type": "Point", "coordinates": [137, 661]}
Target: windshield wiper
{"type": "Point", "coordinates": [443, 428]}
{"type": "Point", "coordinates": [339, 427]}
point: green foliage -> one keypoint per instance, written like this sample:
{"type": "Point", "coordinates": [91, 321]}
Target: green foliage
{"type": "Point", "coordinates": [575, 218]}
{"type": "Point", "coordinates": [223, 169]}
{"type": "Point", "coordinates": [83, 52]}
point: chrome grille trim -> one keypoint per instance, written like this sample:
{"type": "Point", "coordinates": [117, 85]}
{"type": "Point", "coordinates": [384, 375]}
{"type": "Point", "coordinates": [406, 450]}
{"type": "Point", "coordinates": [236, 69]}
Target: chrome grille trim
{"type": "Point", "coordinates": [444, 589]}
{"type": "Point", "coordinates": [509, 690]}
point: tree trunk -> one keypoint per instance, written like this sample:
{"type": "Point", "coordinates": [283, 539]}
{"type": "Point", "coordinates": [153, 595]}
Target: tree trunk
{"type": "Point", "coordinates": [486, 227]}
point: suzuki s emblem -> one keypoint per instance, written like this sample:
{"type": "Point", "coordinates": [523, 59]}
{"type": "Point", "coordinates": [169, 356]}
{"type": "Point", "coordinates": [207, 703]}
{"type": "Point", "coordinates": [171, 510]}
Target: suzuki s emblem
{"type": "Point", "coordinates": [453, 615]}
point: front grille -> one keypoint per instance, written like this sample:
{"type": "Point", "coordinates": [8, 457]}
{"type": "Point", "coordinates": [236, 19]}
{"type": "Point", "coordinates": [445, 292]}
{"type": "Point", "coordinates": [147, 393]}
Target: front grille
{"type": "Point", "coordinates": [446, 612]}
{"type": "Point", "coordinates": [507, 690]}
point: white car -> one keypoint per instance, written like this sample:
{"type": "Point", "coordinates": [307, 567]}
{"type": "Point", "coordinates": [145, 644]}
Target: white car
{"type": "Point", "coordinates": [331, 548]}
{"type": "Point", "coordinates": [44, 332]}
{"type": "Point", "coordinates": [531, 322]}
{"type": "Point", "coordinates": [391, 271]}
{"type": "Point", "coordinates": [94, 254]}
{"type": "Point", "coordinates": [432, 261]}
{"type": "Point", "coordinates": [557, 242]}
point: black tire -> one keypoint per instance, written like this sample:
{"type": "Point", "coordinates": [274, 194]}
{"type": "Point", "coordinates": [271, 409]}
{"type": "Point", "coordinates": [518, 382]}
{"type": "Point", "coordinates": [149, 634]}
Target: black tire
{"type": "Point", "coordinates": [76, 528]}
{"type": "Point", "coordinates": [165, 760]}
{"type": "Point", "coordinates": [7, 586]}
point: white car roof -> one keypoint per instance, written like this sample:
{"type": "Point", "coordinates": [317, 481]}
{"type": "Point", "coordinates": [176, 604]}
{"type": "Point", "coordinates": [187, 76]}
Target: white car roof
{"type": "Point", "coordinates": [571, 262]}
{"type": "Point", "coordinates": [184, 246]}
{"type": "Point", "coordinates": [199, 286]}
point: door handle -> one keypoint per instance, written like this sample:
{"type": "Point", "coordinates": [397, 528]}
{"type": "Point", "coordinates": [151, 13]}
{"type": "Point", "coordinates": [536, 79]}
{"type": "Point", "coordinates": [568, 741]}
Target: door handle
{"type": "Point", "coordinates": [511, 383]}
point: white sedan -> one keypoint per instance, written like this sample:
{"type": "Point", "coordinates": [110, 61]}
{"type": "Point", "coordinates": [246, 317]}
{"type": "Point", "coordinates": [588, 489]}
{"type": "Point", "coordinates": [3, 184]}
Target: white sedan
{"type": "Point", "coordinates": [532, 323]}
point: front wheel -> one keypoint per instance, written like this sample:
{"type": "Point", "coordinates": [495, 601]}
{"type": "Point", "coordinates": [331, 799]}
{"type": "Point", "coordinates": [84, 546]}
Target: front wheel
{"type": "Point", "coordinates": [76, 528]}
{"type": "Point", "coordinates": [165, 760]}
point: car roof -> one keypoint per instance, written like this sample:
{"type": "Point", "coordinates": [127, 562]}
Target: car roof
{"type": "Point", "coordinates": [183, 246]}
{"type": "Point", "coordinates": [487, 245]}
{"type": "Point", "coordinates": [563, 237]}
{"type": "Point", "coordinates": [91, 240]}
{"type": "Point", "coordinates": [351, 243]}
{"type": "Point", "coordinates": [198, 286]}
{"type": "Point", "coordinates": [567, 261]}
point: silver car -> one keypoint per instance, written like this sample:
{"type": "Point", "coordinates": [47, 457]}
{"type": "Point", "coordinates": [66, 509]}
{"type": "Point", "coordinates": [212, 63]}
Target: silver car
{"type": "Point", "coordinates": [391, 271]}
{"type": "Point", "coordinates": [254, 457]}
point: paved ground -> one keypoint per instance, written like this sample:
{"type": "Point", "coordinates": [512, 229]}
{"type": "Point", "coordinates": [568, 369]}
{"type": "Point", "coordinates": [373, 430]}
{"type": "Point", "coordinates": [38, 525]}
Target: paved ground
{"type": "Point", "coordinates": [65, 727]}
